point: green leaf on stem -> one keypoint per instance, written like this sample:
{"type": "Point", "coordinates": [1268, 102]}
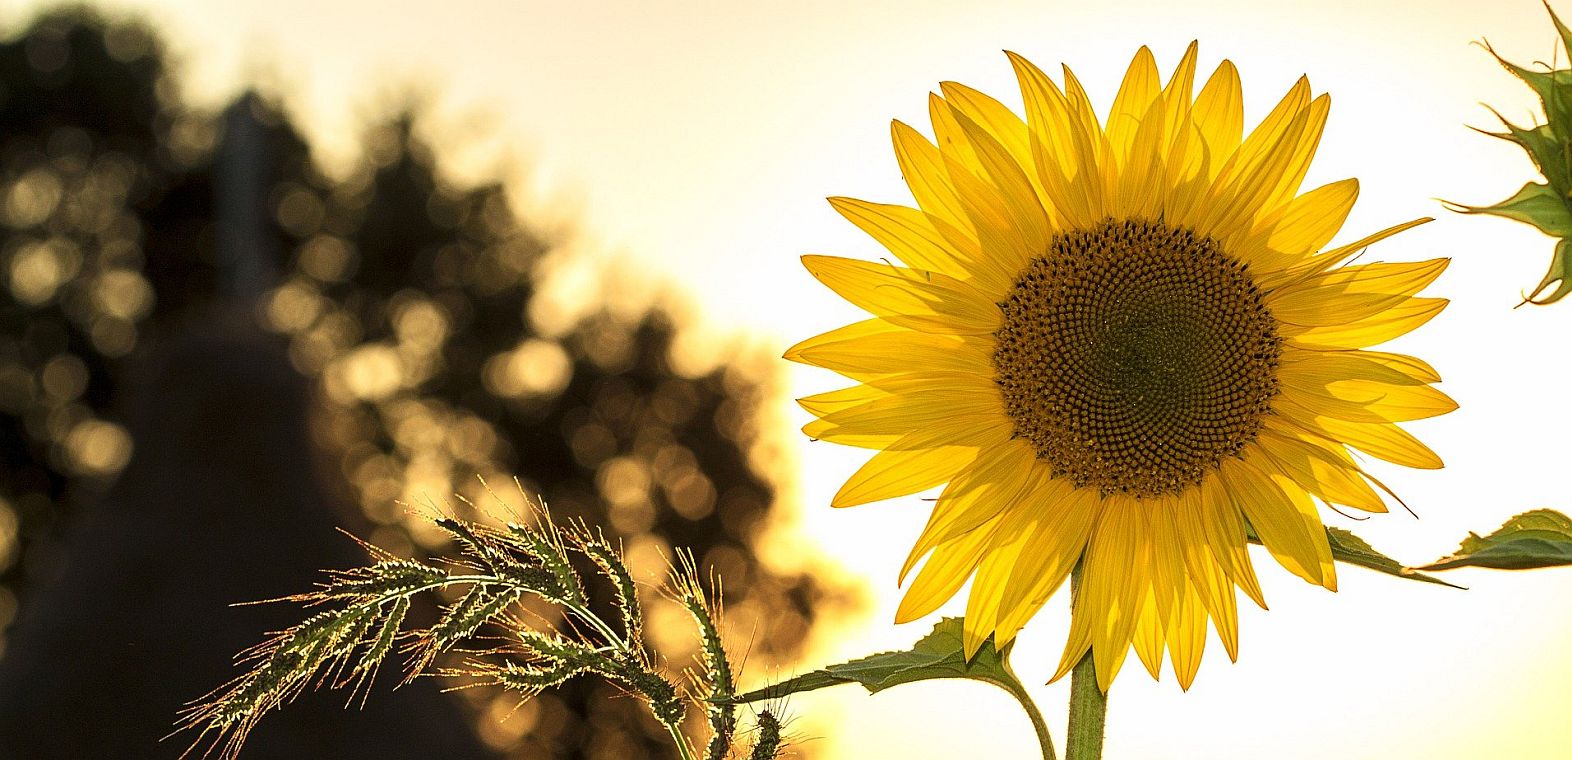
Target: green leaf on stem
{"type": "Point", "coordinates": [1349, 548]}
{"type": "Point", "coordinates": [937, 655]}
{"type": "Point", "coordinates": [1540, 538]}
{"type": "Point", "coordinates": [940, 654]}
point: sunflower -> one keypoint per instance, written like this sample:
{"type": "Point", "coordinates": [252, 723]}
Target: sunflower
{"type": "Point", "coordinates": [1123, 346]}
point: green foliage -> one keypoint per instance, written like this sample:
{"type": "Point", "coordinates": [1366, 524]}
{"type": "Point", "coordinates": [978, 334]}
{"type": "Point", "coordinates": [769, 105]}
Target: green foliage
{"type": "Point", "coordinates": [938, 655]}
{"type": "Point", "coordinates": [1347, 547]}
{"type": "Point", "coordinates": [346, 645]}
{"type": "Point", "coordinates": [1548, 205]}
{"type": "Point", "coordinates": [1540, 538]}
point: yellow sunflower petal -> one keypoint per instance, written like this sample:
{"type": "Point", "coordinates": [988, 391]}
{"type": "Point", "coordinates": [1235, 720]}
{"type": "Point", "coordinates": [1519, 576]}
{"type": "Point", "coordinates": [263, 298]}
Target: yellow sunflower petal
{"type": "Point", "coordinates": [1216, 595]}
{"type": "Point", "coordinates": [1113, 593]}
{"type": "Point", "coordinates": [819, 430]}
{"type": "Point", "coordinates": [1063, 518]}
{"type": "Point", "coordinates": [1310, 221]}
{"type": "Point", "coordinates": [993, 116]}
{"type": "Point", "coordinates": [830, 402]}
{"type": "Point", "coordinates": [1298, 164]}
{"type": "Point", "coordinates": [1186, 633]}
{"type": "Point", "coordinates": [1392, 403]}
{"type": "Point", "coordinates": [923, 168]}
{"type": "Point", "coordinates": [1323, 368]}
{"type": "Point", "coordinates": [1219, 113]}
{"type": "Point", "coordinates": [1400, 319]}
{"type": "Point", "coordinates": [1382, 440]}
{"type": "Point", "coordinates": [888, 352]}
{"type": "Point", "coordinates": [1318, 471]}
{"type": "Point", "coordinates": [1276, 519]}
{"type": "Point", "coordinates": [1269, 136]}
{"type": "Point", "coordinates": [1330, 258]}
{"type": "Point", "coordinates": [910, 234]}
{"type": "Point", "coordinates": [1168, 569]}
{"type": "Point", "coordinates": [1245, 185]}
{"type": "Point", "coordinates": [1009, 219]}
{"type": "Point", "coordinates": [1141, 177]}
{"type": "Point", "coordinates": [1177, 95]}
{"type": "Point", "coordinates": [1211, 521]}
{"type": "Point", "coordinates": [1060, 168]}
{"type": "Point", "coordinates": [1356, 292]}
{"type": "Point", "coordinates": [992, 578]}
{"type": "Point", "coordinates": [853, 331]}
{"type": "Point", "coordinates": [894, 472]}
{"type": "Point", "coordinates": [1141, 86]}
{"type": "Point", "coordinates": [926, 301]}
{"type": "Point", "coordinates": [945, 572]}
{"type": "Point", "coordinates": [1412, 366]}
{"type": "Point", "coordinates": [908, 403]}
{"type": "Point", "coordinates": [1148, 637]}
{"type": "Point", "coordinates": [974, 497]}
{"type": "Point", "coordinates": [1100, 170]}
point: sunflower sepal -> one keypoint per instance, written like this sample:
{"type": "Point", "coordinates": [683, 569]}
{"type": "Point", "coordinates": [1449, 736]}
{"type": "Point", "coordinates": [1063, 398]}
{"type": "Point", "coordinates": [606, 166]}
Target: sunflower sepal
{"type": "Point", "coordinates": [1536, 204]}
{"type": "Point", "coordinates": [1546, 206]}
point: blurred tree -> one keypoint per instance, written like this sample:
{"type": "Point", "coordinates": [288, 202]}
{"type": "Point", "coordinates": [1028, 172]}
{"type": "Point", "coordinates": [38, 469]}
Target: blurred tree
{"type": "Point", "coordinates": [79, 120]}
{"type": "Point", "coordinates": [410, 298]}
{"type": "Point", "coordinates": [405, 297]}
{"type": "Point", "coordinates": [135, 538]}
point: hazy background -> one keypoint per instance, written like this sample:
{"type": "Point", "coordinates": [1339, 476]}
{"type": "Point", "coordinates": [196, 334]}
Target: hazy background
{"type": "Point", "coordinates": [686, 148]}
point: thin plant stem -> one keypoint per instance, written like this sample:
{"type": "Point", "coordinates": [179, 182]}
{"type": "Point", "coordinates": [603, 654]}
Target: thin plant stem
{"type": "Point", "coordinates": [683, 750]}
{"type": "Point", "coordinates": [1040, 726]}
{"type": "Point", "coordinates": [623, 646]}
{"type": "Point", "coordinates": [1088, 703]}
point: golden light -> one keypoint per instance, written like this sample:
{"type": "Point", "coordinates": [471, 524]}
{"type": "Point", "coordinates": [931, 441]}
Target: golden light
{"type": "Point", "coordinates": [32, 198]}
{"type": "Point", "coordinates": [123, 294]}
{"type": "Point", "coordinates": [64, 377]}
{"type": "Point", "coordinates": [327, 258]}
{"type": "Point", "coordinates": [98, 448]}
{"type": "Point", "coordinates": [536, 367]}
{"type": "Point", "coordinates": [39, 269]}
{"type": "Point", "coordinates": [371, 372]}
{"type": "Point", "coordinates": [697, 141]}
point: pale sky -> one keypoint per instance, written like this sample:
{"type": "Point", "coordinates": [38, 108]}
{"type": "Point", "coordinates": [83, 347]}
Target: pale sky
{"type": "Point", "coordinates": [695, 141]}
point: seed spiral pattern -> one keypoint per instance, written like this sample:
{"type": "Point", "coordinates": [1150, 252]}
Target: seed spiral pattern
{"type": "Point", "coordinates": [1135, 356]}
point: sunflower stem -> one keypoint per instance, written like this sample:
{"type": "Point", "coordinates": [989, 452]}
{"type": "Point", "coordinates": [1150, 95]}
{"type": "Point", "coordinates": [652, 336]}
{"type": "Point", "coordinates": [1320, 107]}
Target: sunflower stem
{"type": "Point", "coordinates": [1088, 703]}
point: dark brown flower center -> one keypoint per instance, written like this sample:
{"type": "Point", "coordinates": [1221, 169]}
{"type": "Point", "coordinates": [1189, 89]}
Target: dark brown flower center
{"type": "Point", "coordinates": [1134, 356]}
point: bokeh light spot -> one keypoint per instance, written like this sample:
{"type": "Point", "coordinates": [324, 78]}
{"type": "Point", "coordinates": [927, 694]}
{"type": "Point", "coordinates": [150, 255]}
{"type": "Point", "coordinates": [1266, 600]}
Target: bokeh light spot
{"type": "Point", "coordinates": [39, 269]}
{"type": "Point", "coordinates": [64, 377]}
{"type": "Point", "coordinates": [98, 447]}
{"type": "Point", "coordinates": [371, 372]}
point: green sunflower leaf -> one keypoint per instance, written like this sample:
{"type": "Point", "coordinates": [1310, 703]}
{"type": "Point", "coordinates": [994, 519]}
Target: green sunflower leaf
{"type": "Point", "coordinates": [937, 655]}
{"type": "Point", "coordinates": [1349, 548]}
{"type": "Point", "coordinates": [1541, 538]}
{"type": "Point", "coordinates": [1548, 205]}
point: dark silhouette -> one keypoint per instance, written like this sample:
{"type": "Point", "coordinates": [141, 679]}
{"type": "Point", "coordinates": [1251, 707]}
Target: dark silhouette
{"type": "Point", "coordinates": [220, 502]}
